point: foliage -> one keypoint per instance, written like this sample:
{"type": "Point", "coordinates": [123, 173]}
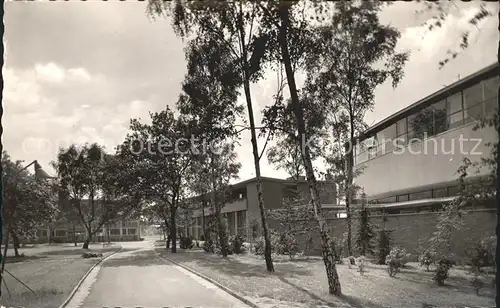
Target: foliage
{"type": "Point", "coordinates": [427, 258]}
{"type": "Point", "coordinates": [396, 259]}
{"type": "Point", "coordinates": [209, 246]}
{"type": "Point", "coordinates": [28, 202]}
{"type": "Point", "coordinates": [259, 245]}
{"type": "Point", "coordinates": [237, 243]}
{"type": "Point", "coordinates": [443, 270]}
{"type": "Point", "coordinates": [92, 183]}
{"type": "Point", "coordinates": [285, 243]}
{"type": "Point", "coordinates": [336, 249]}
{"type": "Point", "coordinates": [159, 164]}
{"type": "Point", "coordinates": [365, 234]}
{"type": "Point", "coordinates": [186, 242]}
{"type": "Point", "coordinates": [482, 255]}
{"type": "Point", "coordinates": [384, 245]}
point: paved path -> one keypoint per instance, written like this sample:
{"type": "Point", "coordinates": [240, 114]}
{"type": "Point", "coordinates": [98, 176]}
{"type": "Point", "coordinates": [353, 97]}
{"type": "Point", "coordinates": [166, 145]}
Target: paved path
{"type": "Point", "coordinates": [137, 277]}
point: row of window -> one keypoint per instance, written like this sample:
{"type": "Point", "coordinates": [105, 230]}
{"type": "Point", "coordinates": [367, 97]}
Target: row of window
{"type": "Point", "coordinates": [476, 102]}
{"type": "Point", "coordinates": [450, 191]}
{"type": "Point", "coordinates": [63, 233]}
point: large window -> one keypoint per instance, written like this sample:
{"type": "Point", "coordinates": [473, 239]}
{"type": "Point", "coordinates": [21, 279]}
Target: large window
{"type": "Point", "coordinates": [114, 231]}
{"type": "Point", "coordinates": [473, 103]}
{"type": "Point", "coordinates": [440, 123]}
{"type": "Point", "coordinates": [421, 124]}
{"type": "Point", "coordinates": [455, 110]}
{"type": "Point", "coordinates": [421, 195]}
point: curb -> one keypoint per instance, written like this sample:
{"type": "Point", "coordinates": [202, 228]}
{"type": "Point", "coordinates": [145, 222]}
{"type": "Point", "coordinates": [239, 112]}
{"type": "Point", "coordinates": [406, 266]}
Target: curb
{"type": "Point", "coordinates": [220, 286]}
{"type": "Point", "coordinates": [75, 289]}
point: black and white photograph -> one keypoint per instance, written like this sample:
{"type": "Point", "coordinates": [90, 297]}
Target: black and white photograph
{"type": "Point", "coordinates": [250, 154]}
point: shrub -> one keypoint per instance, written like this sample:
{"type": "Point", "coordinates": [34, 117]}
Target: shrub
{"type": "Point", "coordinates": [352, 260]}
{"type": "Point", "coordinates": [361, 264]}
{"type": "Point", "coordinates": [481, 256]}
{"type": "Point", "coordinates": [384, 245]}
{"type": "Point", "coordinates": [258, 247]}
{"type": "Point", "coordinates": [186, 243]}
{"type": "Point", "coordinates": [396, 259]}
{"type": "Point", "coordinates": [443, 270]}
{"type": "Point", "coordinates": [336, 250]}
{"type": "Point", "coordinates": [209, 246]}
{"type": "Point", "coordinates": [285, 244]}
{"type": "Point", "coordinates": [236, 243]}
{"type": "Point", "coordinates": [427, 258]}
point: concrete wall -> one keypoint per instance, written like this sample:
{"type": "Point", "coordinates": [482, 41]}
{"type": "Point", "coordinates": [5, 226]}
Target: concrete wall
{"type": "Point", "coordinates": [424, 163]}
{"type": "Point", "coordinates": [412, 230]}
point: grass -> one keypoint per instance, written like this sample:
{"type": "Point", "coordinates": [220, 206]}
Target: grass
{"type": "Point", "coordinates": [303, 282]}
{"type": "Point", "coordinates": [52, 275]}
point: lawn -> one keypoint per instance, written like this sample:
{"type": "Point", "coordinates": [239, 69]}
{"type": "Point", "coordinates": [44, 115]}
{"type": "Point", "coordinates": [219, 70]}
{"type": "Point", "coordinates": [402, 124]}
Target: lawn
{"type": "Point", "coordinates": [50, 273]}
{"type": "Point", "coordinates": [302, 283]}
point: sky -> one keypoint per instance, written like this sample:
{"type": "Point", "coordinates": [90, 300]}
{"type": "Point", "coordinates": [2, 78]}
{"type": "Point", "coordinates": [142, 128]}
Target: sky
{"type": "Point", "coordinates": [76, 72]}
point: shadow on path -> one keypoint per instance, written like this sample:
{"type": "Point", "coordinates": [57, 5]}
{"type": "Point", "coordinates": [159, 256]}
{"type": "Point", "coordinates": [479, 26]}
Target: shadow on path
{"type": "Point", "coordinates": [138, 258]}
{"type": "Point", "coordinates": [351, 300]}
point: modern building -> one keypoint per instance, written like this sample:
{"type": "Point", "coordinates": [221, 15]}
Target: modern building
{"type": "Point", "coordinates": [242, 208]}
{"type": "Point", "coordinates": [415, 153]}
{"type": "Point", "coordinates": [69, 228]}
{"type": "Point", "coordinates": [408, 162]}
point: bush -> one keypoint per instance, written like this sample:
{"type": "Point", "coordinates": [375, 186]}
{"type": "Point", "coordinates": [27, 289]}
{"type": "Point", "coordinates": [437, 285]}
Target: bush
{"type": "Point", "coordinates": [361, 264]}
{"type": "Point", "coordinates": [442, 271]}
{"type": "Point", "coordinates": [352, 260]}
{"type": "Point", "coordinates": [481, 256]}
{"type": "Point", "coordinates": [186, 243]}
{"type": "Point", "coordinates": [209, 246]}
{"type": "Point", "coordinates": [336, 250]}
{"type": "Point", "coordinates": [427, 258]}
{"type": "Point", "coordinates": [285, 244]}
{"type": "Point", "coordinates": [236, 243]}
{"type": "Point", "coordinates": [259, 245]}
{"type": "Point", "coordinates": [396, 259]}
{"type": "Point", "coordinates": [384, 245]}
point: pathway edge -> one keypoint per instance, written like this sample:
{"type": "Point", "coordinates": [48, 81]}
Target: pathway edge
{"type": "Point", "coordinates": [78, 285]}
{"type": "Point", "coordinates": [217, 284]}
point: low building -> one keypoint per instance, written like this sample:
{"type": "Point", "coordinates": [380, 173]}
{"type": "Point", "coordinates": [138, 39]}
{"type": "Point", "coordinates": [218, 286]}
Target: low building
{"type": "Point", "coordinates": [242, 208]}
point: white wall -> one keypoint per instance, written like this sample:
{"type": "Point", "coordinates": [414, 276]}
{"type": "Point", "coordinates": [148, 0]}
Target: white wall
{"type": "Point", "coordinates": [425, 163]}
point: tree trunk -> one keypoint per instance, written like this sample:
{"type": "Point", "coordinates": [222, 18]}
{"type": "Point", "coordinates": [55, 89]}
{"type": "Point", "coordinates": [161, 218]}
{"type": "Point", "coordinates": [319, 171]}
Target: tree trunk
{"type": "Point", "coordinates": [255, 150]}
{"type": "Point", "coordinates": [218, 215]}
{"type": "Point", "coordinates": [86, 243]}
{"type": "Point", "coordinates": [15, 242]}
{"type": "Point", "coordinates": [88, 240]}
{"type": "Point", "coordinates": [349, 191]}
{"type": "Point", "coordinates": [74, 235]}
{"type": "Point", "coordinates": [328, 259]}
{"type": "Point", "coordinates": [173, 228]}
{"type": "Point", "coordinates": [497, 257]}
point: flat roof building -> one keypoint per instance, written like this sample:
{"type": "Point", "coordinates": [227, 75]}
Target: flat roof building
{"type": "Point", "coordinates": [414, 154]}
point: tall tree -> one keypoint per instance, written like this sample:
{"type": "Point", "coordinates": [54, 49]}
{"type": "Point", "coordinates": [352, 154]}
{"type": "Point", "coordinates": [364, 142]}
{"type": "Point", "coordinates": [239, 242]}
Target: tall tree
{"type": "Point", "coordinates": [160, 155]}
{"type": "Point", "coordinates": [357, 54]}
{"type": "Point", "coordinates": [86, 175]}
{"type": "Point", "coordinates": [288, 21]}
{"type": "Point", "coordinates": [231, 25]}
{"type": "Point", "coordinates": [28, 203]}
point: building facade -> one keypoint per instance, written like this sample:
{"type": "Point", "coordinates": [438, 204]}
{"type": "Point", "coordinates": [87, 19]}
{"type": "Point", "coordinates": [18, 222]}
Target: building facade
{"type": "Point", "coordinates": [415, 153]}
{"type": "Point", "coordinates": [242, 208]}
{"type": "Point", "coordinates": [408, 164]}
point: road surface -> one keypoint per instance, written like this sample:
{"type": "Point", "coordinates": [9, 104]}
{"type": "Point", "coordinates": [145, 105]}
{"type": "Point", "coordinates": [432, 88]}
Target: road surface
{"type": "Point", "coordinates": [137, 277]}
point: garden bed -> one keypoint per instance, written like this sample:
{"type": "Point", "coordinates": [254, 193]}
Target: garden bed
{"type": "Point", "coordinates": [303, 281]}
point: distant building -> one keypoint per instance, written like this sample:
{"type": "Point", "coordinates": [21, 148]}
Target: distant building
{"type": "Point", "coordinates": [242, 208]}
{"type": "Point", "coordinates": [70, 227]}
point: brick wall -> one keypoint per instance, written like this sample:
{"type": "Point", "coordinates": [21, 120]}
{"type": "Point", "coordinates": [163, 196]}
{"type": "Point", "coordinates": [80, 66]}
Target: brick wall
{"type": "Point", "coordinates": [411, 229]}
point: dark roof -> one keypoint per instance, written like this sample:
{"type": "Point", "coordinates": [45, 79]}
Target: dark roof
{"type": "Point", "coordinates": [487, 72]}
